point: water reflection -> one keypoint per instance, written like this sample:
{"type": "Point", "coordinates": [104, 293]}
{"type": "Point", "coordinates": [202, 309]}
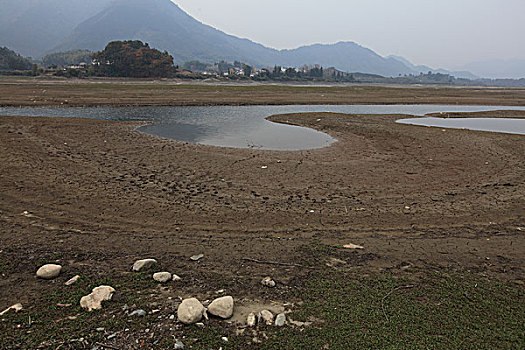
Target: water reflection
{"type": "Point", "coordinates": [236, 126]}
{"type": "Point", "coordinates": [501, 125]}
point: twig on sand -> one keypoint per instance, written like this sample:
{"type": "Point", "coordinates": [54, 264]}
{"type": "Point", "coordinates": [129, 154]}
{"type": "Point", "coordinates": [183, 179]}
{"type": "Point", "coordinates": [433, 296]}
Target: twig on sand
{"type": "Point", "coordinates": [390, 293]}
{"type": "Point", "coordinates": [275, 263]}
{"type": "Point", "coordinates": [107, 346]}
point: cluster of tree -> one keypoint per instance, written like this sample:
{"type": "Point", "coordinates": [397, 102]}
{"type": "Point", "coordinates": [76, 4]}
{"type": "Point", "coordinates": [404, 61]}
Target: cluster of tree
{"type": "Point", "coordinates": [429, 78]}
{"type": "Point", "coordinates": [236, 68]}
{"type": "Point", "coordinates": [10, 60]}
{"type": "Point", "coordinates": [245, 68]}
{"type": "Point", "coordinates": [197, 66]}
{"type": "Point", "coordinates": [64, 59]}
{"type": "Point", "coordinates": [132, 58]}
{"type": "Point", "coordinates": [291, 73]}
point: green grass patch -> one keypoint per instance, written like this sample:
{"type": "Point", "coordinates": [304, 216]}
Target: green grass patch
{"type": "Point", "coordinates": [52, 325]}
{"type": "Point", "coordinates": [441, 309]}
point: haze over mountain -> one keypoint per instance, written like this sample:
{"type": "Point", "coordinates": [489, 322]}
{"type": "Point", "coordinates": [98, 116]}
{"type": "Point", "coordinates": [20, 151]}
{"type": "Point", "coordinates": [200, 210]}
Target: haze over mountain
{"type": "Point", "coordinates": [32, 27]}
{"type": "Point", "coordinates": [35, 28]}
{"type": "Point", "coordinates": [498, 68]}
{"type": "Point", "coordinates": [165, 26]}
{"type": "Point", "coordinates": [425, 69]}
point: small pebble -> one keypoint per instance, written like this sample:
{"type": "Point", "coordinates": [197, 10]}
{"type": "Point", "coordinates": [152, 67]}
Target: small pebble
{"type": "Point", "coordinates": [143, 264]}
{"type": "Point", "coordinates": [139, 313]}
{"type": "Point", "coordinates": [197, 257]}
{"type": "Point", "coordinates": [267, 317]}
{"type": "Point", "coordinates": [280, 320]}
{"type": "Point", "coordinates": [162, 277]}
{"type": "Point", "coordinates": [268, 282]}
{"type": "Point", "coordinates": [251, 320]}
{"type": "Point", "coordinates": [72, 280]}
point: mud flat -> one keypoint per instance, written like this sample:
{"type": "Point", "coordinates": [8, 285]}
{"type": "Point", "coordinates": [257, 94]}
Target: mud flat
{"type": "Point", "coordinates": [16, 91]}
{"type": "Point", "coordinates": [440, 214]}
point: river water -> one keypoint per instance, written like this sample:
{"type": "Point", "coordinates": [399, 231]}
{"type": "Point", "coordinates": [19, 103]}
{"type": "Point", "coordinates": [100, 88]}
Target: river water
{"type": "Point", "coordinates": [246, 126]}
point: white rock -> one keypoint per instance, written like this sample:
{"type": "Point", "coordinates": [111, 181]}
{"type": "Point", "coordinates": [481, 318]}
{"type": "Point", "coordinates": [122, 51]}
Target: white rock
{"type": "Point", "coordinates": [162, 277]}
{"type": "Point", "coordinates": [94, 300]}
{"type": "Point", "coordinates": [190, 311]}
{"type": "Point", "coordinates": [16, 308]}
{"type": "Point", "coordinates": [299, 323]}
{"type": "Point", "coordinates": [176, 278]}
{"type": "Point", "coordinates": [178, 344]}
{"type": "Point", "coordinates": [72, 280]}
{"type": "Point", "coordinates": [143, 264]}
{"type": "Point", "coordinates": [197, 257]}
{"type": "Point", "coordinates": [353, 246]}
{"type": "Point", "coordinates": [280, 320]}
{"type": "Point", "coordinates": [267, 317]}
{"type": "Point", "coordinates": [268, 282]}
{"type": "Point", "coordinates": [222, 307]}
{"type": "Point", "coordinates": [49, 271]}
{"type": "Point", "coordinates": [251, 320]}
{"type": "Point", "coordinates": [140, 313]}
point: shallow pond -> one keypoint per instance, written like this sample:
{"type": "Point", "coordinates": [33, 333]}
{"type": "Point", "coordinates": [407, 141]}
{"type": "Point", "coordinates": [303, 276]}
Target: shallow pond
{"type": "Point", "coordinates": [501, 125]}
{"type": "Point", "coordinates": [237, 126]}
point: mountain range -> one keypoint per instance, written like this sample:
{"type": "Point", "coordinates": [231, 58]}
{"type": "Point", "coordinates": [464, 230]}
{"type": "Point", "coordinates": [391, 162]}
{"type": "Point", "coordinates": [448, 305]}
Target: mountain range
{"type": "Point", "coordinates": [465, 74]}
{"type": "Point", "coordinates": [35, 28]}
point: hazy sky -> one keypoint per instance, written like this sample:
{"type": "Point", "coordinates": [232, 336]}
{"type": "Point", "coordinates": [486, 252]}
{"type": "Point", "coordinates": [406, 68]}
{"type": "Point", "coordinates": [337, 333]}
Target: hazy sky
{"type": "Point", "coordinates": [439, 33]}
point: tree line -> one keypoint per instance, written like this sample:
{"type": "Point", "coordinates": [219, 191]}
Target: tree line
{"type": "Point", "coordinates": [135, 59]}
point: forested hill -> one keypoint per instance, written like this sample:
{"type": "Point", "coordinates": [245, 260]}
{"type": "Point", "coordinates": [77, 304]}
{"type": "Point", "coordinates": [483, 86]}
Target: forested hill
{"type": "Point", "coordinates": [10, 60]}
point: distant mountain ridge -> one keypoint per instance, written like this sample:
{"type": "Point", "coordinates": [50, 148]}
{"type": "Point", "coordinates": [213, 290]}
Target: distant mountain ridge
{"type": "Point", "coordinates": [32, 27]}
{"type": "Point", "coordinates": [345, 56]}
{"type": "Point", "coordinates": [425, 69]}
{"type": "Point", "coordinates": [35, 28]}
{"type": "Point", "coordinates": [164, 26]}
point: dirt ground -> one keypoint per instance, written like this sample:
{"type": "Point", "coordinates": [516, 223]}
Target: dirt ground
{"type": "Point", "coordinates": [408, 194]}
{"type": "Point", "coordinates": [17, 91]}
{"type": "Point", "coordinates": [97, 195]}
